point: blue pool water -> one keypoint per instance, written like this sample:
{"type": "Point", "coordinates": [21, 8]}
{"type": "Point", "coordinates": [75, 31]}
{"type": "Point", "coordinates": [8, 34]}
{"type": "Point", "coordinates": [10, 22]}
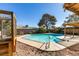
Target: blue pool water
{"type": "Point", "coordinates": [43, 37]}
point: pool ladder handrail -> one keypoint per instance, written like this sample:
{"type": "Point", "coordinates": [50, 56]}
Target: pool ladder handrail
{"type": "Point", "coordinates": [47, 45]}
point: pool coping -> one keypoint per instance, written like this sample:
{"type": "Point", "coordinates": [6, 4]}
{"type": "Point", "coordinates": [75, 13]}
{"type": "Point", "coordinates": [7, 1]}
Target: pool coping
{"type": "Point", "coordinates": [23, 41]}
{"type": "Point", "coordinates": [39, 48]}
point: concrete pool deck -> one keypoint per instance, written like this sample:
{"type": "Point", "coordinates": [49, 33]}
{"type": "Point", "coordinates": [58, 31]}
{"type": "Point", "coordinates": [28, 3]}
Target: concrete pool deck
{"type": "Point", "coordinates": [38, 45]}
{"type": "Point", "coordinates": [53, 46]}
{"type": "Point", "coordinates": [69, 40]}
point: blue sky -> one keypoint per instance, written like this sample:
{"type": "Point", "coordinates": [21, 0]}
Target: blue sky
{"type": "Point", "coordinates": [31, 13]}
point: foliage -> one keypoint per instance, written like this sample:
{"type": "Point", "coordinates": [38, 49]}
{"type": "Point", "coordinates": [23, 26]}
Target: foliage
{"type": "Point", "coordinates": [58, 30]}
{"type": "Point", "coordinates": [41, 30]}
{"type": "Point", "coordinates": [72, 18]}
{"type": "Point", "coordinates": [5, 24]}
{"type": "Point", "coordinates": [26, 26]}
{"type": "Point", "coordinates": [0, 26]}
{"type": "Point", "coordinates": [7, 27]}
{"type": "Point", "coordinates": [47, 20]}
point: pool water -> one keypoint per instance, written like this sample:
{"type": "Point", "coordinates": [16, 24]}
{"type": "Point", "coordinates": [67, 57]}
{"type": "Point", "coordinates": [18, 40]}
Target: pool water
{"type": "Point", "coordinates": [52, 37]}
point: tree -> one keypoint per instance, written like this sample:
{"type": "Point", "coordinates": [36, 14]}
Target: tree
{"type": "Point", "coordinates": [47, 20]}
{"type": "Point", "coordinates": [7, 27]}
{"type": "Point", "coordinates": [72, 18]}
{"type": "Point", "coordinates": [26, 25]}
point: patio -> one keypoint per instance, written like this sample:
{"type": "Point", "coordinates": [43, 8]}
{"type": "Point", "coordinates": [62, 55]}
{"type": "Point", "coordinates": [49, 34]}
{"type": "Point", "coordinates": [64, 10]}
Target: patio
{"type": "Point", "coordinates": [26, 50]}
{"type": "Point", "coordinates": [69, 47]}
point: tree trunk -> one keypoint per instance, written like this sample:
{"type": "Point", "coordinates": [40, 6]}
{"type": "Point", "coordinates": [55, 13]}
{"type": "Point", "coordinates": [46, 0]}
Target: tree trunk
{"type": "Point", "coordinates": [46, 28]}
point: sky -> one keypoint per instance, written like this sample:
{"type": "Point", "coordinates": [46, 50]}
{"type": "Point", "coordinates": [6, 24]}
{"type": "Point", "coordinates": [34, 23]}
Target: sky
{"type": "Point", "coordinates": [31, 13]}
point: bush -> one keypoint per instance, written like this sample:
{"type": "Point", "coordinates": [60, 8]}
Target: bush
{"type": "Point", "coordinates": [58, 30]}
{"type": "Point", "coordinates": [41, 30]}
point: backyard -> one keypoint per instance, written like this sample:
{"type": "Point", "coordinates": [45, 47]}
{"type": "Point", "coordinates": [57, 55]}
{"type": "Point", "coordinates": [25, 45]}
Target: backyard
{"type": "Point", "coordinates": [41, 35]}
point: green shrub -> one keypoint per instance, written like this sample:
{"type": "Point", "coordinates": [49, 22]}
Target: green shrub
{"type": "Point", "coordinates": [41, 30]}
{"type": "Point", "coordinates": [59, 30]}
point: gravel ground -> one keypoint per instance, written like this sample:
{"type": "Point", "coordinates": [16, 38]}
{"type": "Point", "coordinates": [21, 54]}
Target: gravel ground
{"type": "Point", "coordinates": [26, 50]}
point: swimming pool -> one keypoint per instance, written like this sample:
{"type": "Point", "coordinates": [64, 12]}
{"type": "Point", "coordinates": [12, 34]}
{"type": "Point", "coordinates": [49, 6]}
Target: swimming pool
{"type": "Point", "coordinates": [52, 37]}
